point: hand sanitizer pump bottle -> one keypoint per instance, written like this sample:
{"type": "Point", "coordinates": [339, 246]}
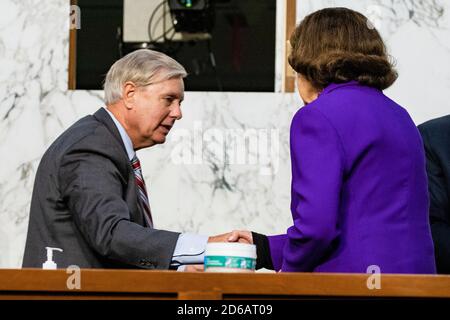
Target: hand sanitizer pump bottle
{"type": "Point", "coordinates": [50, 264]}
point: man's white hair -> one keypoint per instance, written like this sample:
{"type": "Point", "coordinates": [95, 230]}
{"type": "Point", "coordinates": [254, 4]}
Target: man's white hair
{"type": "Point", "coordinates": [142, 67]}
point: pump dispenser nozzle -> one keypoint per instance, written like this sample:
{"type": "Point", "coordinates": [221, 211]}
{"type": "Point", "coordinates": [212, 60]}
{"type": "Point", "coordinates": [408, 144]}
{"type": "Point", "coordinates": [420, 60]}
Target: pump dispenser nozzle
{"type": "Point", "coordinates": [50, 264]}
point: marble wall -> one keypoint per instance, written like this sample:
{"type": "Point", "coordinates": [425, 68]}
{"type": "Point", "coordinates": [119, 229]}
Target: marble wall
{"type": "Point", "coordinates": [197, 181]}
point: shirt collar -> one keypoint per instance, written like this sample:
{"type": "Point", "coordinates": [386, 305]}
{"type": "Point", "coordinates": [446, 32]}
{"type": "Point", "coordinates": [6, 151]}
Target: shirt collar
{"type": "Point", "coordinates": [123, 134]}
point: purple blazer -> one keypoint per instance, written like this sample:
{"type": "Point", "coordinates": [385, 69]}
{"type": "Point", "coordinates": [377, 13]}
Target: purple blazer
{"type": "Point", "coordinates": [359, 188]}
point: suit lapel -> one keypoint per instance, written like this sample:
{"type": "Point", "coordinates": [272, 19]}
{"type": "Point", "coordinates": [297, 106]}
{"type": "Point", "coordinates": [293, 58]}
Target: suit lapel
{"type": "Point", "coordinates": [131, 196]}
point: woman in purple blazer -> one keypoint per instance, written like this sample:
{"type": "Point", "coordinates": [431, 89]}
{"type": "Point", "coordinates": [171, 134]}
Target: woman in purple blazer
{"type": "Point", "coordinates": [359, 187]}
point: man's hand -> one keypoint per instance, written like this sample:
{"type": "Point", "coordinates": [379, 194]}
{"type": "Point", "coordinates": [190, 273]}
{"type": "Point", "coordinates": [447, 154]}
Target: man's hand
{"type": "Point", "coordinates": [194, 268]}
{"type": "Point", "coordinates": [241, 236]}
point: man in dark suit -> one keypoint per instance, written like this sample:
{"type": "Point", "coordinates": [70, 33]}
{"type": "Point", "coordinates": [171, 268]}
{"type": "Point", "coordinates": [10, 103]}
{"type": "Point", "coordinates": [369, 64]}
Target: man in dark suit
{"type": "Point", "coordinates": [436, 138]}
{"type": "Point", "coordinates": [89, 196]}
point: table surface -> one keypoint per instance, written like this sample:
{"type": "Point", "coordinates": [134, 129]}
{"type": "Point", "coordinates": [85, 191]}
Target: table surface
{"type": "Point", "coordinates": [146, 284]}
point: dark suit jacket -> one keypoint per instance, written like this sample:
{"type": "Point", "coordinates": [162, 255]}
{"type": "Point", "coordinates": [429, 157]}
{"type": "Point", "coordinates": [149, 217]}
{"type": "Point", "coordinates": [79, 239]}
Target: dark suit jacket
{"type": "Point", "coordinates": [436, 138]}
{"type": "Point", "coordinates": [85, 202]}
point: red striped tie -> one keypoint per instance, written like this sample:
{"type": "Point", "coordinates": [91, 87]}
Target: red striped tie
{"type": "Point", "coordinates": [136, 164]}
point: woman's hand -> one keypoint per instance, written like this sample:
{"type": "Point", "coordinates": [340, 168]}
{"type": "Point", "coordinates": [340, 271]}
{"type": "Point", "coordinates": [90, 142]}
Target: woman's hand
{"type": "Point", "coordinates": [241, 236]}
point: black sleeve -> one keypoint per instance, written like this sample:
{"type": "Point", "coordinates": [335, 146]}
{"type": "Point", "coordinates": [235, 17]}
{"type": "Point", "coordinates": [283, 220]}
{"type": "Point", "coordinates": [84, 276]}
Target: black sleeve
{"type": "Point", "coordinates": [441, 239]}
{"type": "Point", "coordinates": [264, 259]}
{"type": "Point", "coordinates": [437, 183]}
{"type": "Point", "coordinates": [439, 203]}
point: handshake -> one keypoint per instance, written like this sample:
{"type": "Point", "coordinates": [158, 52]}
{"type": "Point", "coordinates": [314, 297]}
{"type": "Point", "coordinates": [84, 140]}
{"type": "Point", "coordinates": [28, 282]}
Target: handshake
{"type": "Point", "coordinates": [234, 236]}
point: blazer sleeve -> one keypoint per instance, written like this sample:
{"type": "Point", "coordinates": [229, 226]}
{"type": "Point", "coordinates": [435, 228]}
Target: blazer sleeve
{"type": "Point", "coordinates": [439, 204]}
{"type": "Point", "coordinates": [92, 187]}
{"type": "Point", "coordinates": [317, 157]}
{"type": "Point", "coordinates": [276, 246]}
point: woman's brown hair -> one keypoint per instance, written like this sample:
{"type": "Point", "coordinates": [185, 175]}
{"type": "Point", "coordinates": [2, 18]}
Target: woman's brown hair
{"type": "Point", "coordinates": [337, 45]}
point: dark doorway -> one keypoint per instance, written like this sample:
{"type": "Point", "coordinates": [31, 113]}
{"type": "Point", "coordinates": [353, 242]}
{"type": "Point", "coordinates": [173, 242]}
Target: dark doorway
{"type": "Point", "coordinates": [239, 56]}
